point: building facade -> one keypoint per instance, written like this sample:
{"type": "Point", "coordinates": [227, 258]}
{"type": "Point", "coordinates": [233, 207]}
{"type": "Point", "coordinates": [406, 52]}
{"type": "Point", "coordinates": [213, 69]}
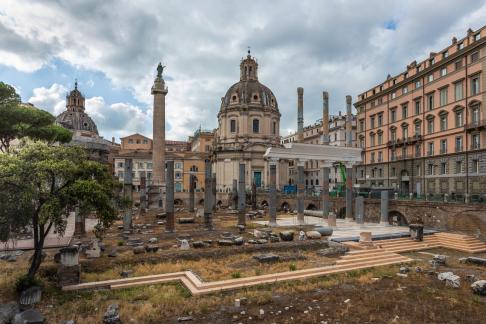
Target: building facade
{"type": "Point", "coordinates": [423, 131]}
{"type": "Point", "coordinates": [312, 134]}
{"type": "Point", "coordinates": [248, 124]}
{"type": "Point", "coordinates": [186, 162]}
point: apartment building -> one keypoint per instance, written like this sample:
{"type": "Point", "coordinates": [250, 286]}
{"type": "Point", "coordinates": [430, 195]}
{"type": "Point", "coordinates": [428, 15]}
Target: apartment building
{"type": "Point", "coordinates": [424, 131]}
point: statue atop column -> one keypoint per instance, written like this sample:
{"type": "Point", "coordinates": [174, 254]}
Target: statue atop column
{"type": "Point", "coordinates": [160, 70]}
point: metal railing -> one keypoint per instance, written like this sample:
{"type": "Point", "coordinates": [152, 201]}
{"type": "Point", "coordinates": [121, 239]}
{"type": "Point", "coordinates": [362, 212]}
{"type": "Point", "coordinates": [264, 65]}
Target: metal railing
{"type": "Point", "coordinates": [475, 124]}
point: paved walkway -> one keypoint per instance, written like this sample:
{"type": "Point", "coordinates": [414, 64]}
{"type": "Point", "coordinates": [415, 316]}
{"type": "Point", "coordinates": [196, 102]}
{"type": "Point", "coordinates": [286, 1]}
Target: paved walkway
{"type": "Point", "coordinates": [52, 239]}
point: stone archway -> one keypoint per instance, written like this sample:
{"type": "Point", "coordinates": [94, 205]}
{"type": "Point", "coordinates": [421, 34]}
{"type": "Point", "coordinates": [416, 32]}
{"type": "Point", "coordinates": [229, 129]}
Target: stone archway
{"type": "Point", "coordinates": [178, 202]}
{"type": "Point", "coordinates": [201, 202]}
{"type": "Point", "coordinates": [397, 219]}
{"type": "Point", "coordinates": [311, 206]}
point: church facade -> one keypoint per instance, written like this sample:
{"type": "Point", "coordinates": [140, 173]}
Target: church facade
{"type": "Point", "coordinates": [248, 124]}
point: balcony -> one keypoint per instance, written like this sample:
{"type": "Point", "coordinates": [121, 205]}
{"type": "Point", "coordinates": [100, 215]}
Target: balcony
{"type": "Point", "coordinates": [475, 146]}
{"type": "Point", "coordinates": [475, 125]}
{"type": "Point", "coordinates": [405, 141]}
{"type": "Point", "coordinates": [403, 157]}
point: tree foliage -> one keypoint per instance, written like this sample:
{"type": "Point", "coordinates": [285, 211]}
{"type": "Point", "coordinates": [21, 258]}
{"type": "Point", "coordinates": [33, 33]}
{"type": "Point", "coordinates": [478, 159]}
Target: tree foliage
{"type": "Point", "coordinates": [40, 184]}
{"type": "Point", "coordinates": [20, 121]}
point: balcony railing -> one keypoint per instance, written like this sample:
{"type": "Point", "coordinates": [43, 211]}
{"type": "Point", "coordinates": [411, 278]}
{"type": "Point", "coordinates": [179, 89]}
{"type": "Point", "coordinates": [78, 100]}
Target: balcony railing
{"type": "Point", "coordinates": [475, 125]}
{"type": "Point", "coordinates": [475, 146]}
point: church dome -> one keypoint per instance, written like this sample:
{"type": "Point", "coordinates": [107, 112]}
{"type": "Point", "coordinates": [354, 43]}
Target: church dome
{"type": "Point", "coordinates": [75, 118]}
{"type": "Point", "coordinates": [249, 91]}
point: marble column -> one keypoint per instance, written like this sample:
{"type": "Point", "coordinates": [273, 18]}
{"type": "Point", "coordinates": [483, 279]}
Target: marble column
{"type": "Point", "coordinates": [300, 192]}
{"type": "Point", "coordinates": [208, 205]}
{"type": "Point", "coordinates": [300, 115]}
{"type": "Point", "coordinates": [349, 123]}
{"type": "Point", "coordinates": [159, 91]}
{"type": "Point", "coordinates": [241, 195]}
{"type": "Point", "coordinates": [79, 223]}
{"type": "Point", "coordinates": [128, 194]}
{"type": "Point", "coordinates": [359, 210]}
{"type": "Point", "coordinates": [235, 194]}
{"type": "Point", "coordinates": [143, 193]}
{"type": "Point", "coordinates": [272, 202]}
{"type": "Point", "coordinates": [169, 198]}
{"type": "Point", "coordinates": [326, 203]}
{"type": "Point", "coordinates": [192, 184]}
{"type": "Point", "coordinates": [349, 191]}
{"type": "Point", "coordinates": [384, 207]}
{"type": "Point", "coordinates": [213, 191]}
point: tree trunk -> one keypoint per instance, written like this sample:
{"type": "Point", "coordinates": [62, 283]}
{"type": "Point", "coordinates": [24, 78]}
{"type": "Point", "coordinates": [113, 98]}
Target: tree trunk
{"type": "Point", "coordinates": [39, 236]}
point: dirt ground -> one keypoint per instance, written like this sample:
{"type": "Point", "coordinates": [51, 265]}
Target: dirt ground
{"type": "Point", "coordinates": [376, 295]}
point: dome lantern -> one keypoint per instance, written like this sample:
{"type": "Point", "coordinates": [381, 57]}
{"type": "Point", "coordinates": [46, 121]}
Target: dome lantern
{"type": "Point", "coordinates": [248, 68]}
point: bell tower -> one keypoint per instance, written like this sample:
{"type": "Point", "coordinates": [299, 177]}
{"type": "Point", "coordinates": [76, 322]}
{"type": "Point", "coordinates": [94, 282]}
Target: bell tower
{"type": "Point", "coordinates": [75, 100]}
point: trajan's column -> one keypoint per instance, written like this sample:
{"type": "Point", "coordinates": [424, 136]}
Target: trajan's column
{"type": "Point", "coordinates": [159, 91]}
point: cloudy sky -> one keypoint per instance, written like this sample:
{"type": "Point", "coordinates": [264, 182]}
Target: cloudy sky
{"type": "Point", "coordinates": [113, 46]}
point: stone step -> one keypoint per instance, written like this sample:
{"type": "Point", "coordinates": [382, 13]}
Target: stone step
{"type": "Point", "coordinates": [375, 258]}
{"type": "Point", "coordinates": [417, 248]}
{"type": "Point", "coordinates": [377, 252]}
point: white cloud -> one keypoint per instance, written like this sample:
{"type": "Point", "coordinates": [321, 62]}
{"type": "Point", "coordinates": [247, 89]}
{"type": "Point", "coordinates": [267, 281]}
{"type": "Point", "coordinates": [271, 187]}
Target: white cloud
{"type": "Point", "coordinates": [339, 46]}
{"type": "Point", "coordinates": [51, 99]}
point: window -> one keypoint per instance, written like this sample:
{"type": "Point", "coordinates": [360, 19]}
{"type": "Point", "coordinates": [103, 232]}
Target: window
{"type": "Point", "coordinates": [430, 126]}
{"type": "Point", "coordinates": [393, 134]}
{"type": "Point", "coordinates": [120, 174]}
{"type": "Point", "coordinates": [458, 144]}
{"type": "Point", "coordinates": [178, 165]}
{"type": "Point", "coordinates": [120, 164]}
{"type": "Point", "coordinates": [130, 141]}
{"type": "Point", "coordinates": [458, 64]}
{"type": "Point", "coordinates": [380, 156]}
{"type": "Point", "coordinates": [361, 142]}
{"type": "Point", "coordinates": [443, 146]}
{"type": "Point", "coordinates": [138, 141]}
{"type": "Point", "coordinates": [460, 46]}
{"type": "Point", "coordinates": [458, 166]}
{"type": "Point", "coordinates": [430, 101]}
{"type": "Point", "coordinates": [419, 169]}
{"type": "Point", "coordinates": [430, 78]}
{"type": "Point", "coordinates": [194, 168]}
{"type": "Point", "coordinates": [474, 57]}
{"type": "Point", "coordinates": [178, 187]}
{"type": "Point", "coordinates": [233, 125]}
{"type": "Point", "coordinates": [445, 55]}
{"type": "Point", "coordinates": [372, 139]}
{"type": "Point", "coordinates": [141, 165]}
{"type": "Point", "coordinates": [458, 90]}
{"type": "Point", "coordinates": [405, 132]}
{"type": "Point", "coordinates": [432, 61]}
{"type": "Point", "coordinates": [372, 122]}
{"type": "Point", "coordinates": [417, 107]}
{"type": "Point", "coordinates": [404, 111]}
{"type": "Point", "coordinates": [149, 165]}
{"type": "Point", "coordinates": [477, 37]}
{"type": "Point", "coordinates": [405, 90]}
{"type": "Point", "coordinates": [178, 175]}
{"type": "Point", "coordinates": [393, 172]}
{"type": "Point", "coordinates": [393, 95]}
{"type": "Point", "coordinates": [417, 129]}
{"type": "Point", "coordinates": [361, 125]}
{"type": "Point", "coordinates": [431, 169]}
{"type": "Point", "coordinates": [380, 120]}
{"type": "Point", "coordinates": [274, 128]}
{"type": "Point", "coordinates": [459, 118]}
{"type": "Point", "coordinates": [393, 155]}
{"type": "Point", "coordinates": [145, 141]}
{"type": "Point", "coordinates": [475, 114]}
{"type": "Point", "coordinates": [430, 150]}
{"type": "Point", "coordinates": [443, 168]}
{"type": "Point", "coordinates": [380, 138]}
{"type": "Point", "coordinates": [475, 143]}
{"type": "Point", "coordinates": [443, 122]}
{"type": "Point", "coordinates": [256, 126]}
{"type": "Point", "coordinates": [418, 150]}
{"type": "Point", "coordinates": [475, 166]}
{"type": "Point", "coordinates": [372, 156]}
{"type": "Point", "coordinates": [418, 84]}
{"type": "Point", "coordinates": [443, 96]}
{"type": "Point", "coordinates": [474, 85]}
{"type": "Point", "coordinates": [393, 116]}
{"type": "Point", "coordinates": [443, 72]}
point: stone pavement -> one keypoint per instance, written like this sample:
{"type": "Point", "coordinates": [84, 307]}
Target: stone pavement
{"type": "Point", "coordinates": [345, 229]}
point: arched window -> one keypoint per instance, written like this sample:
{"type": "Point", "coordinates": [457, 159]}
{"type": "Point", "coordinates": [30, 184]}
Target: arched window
{"type": "Point", "coordinates": [233, 125]}
{"type": "Point", "coordinates": [256, 126]}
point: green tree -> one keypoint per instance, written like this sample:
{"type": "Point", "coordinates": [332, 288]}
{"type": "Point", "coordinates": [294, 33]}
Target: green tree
{"type": "Point", "coordinates": [40, 184]}
{"type": "Point", "coordinates": [20, 121]}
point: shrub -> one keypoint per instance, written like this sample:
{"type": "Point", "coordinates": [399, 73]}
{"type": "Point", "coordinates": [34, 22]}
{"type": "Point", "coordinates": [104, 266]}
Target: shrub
{"type": "Point", "coordinates": [25, 282]}
{"type": "Point", "coordinates": [120, 243]}
{"type": "Point", "coordinates": [292, 267]}
{"type": "Point", "coordinates": [236, 275]}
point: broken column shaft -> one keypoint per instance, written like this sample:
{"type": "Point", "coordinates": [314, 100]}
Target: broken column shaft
{"type": "Point", "coordinates": [169, 198]}
{"type": "Point", "coordinates": [208, 205]}
{"type": "Point", "coordinates": [241, 195]}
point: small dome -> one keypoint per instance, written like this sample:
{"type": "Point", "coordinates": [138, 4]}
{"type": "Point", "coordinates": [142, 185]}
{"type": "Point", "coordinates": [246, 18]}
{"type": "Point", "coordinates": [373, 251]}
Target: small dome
{"type": "Point", "coordinates": [76, 121]}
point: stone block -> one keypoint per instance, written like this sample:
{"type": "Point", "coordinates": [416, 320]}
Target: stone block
{"type": "Point", "coordinates": [313, 235]}
{"type": "Point", "coordinates": [68, 275]}
{"type": "Point", "coordinates": [112, 315]}
{"type": "Point", "coordinates": [476, 261]}
{"type": "Point", "coordinates": [30, 316]}
{"type": "Point", "coordinates": [479, 287]}
{"type": "Point", "coordinates": [138, 250]}
{"type": "Point", "coordinates": [7, 312]}
{"type": "Point", "coordinates": [324, 231]}
{"type": "Point", "coordinates": [31, 296]}
{"type": "Point", "coordinates": [186, 220]}
{"type": "Point", "coordinates": [267, 258]}
{"type": "Point", "coordinates": [286, 236]}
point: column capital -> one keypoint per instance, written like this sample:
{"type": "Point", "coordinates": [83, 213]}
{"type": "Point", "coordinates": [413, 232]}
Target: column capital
{"type": "Point", "coordinates": [273, 161]}
{"type": "Point", "coordinates": [326, 164]}
{"type": "Point", "coordinates": [349, 165]}
{"type": "Point", "coordinates": [301, 162]}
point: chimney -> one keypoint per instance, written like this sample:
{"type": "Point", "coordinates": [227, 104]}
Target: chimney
{"type": "Point", "coordinates": [300, 115]}
{"type": "Point", "coordinates": [349, 120]}
{"type": "Point", "coordinates": [325, 118]}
